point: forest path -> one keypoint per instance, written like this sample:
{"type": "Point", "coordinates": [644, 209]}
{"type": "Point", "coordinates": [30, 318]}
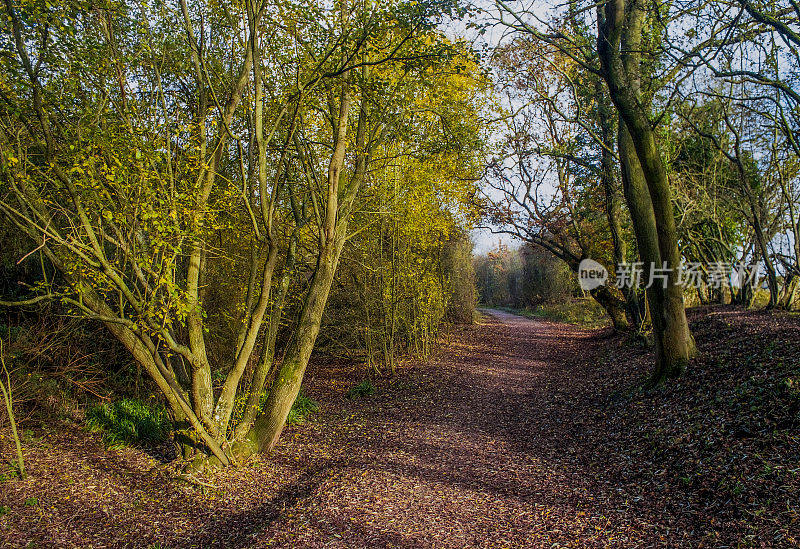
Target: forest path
{"type": "Point", "coordinates": [481, 448]}
{"type": "Point", "coordinates": [519, 433]}
{"type": "Point", "coordinates": [499, 441]}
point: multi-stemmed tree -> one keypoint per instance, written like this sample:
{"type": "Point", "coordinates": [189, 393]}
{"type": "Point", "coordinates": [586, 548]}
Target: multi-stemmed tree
{"type": "Point", "coordinates": [138, 138]}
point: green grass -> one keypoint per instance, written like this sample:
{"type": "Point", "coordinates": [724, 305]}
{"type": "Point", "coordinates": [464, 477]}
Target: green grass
{"type": "Point", "coordinates": [584, 312]}
{"type": "Point", "coordinates": [128, 421]}
{"type": "Point", "coordinates": [12, 471]}
{"type": "Point", "coordinates": [302, 408]}
{"type": "Point", "coordinates": [365, 388]}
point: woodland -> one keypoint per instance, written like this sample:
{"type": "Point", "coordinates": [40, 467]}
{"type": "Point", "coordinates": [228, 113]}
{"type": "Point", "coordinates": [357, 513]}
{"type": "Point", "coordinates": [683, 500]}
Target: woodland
{"type": "Point", "coordinates": [312, 273]}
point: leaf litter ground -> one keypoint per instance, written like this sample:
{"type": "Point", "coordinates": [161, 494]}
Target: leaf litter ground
{"type": "Point", "coordinates": [520, 433]}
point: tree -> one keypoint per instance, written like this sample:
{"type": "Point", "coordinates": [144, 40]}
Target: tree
{"type": "Point", "coordinates": [130, 174]}
{"type": "Point", "coordinates": [542, 185]}
{"type": "Point", "coordinates": [620, 39]}
{"type": "Point", "coordinates": [624, 31]}
{"type": "Point", "coordinates": [740, 58]}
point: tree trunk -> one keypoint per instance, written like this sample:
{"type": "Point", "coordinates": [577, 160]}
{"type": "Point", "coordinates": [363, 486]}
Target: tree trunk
{"type": "Point", "coordinates": [620, 28]}
{"type": "Point", "coordinates": [608, 178]}
{"type": "Point", "coordinates": [267, 428]}
{"type": "Point", "coordinates": [772, 277]}
{"type": "Point", "coordinates": [788, 300]}
{"type": "Point", "coordinates": [644, 227]}
{"type": "Point", "coordinates": [265, 364]}
{"type": "Point", "coordinates": [613, 305]}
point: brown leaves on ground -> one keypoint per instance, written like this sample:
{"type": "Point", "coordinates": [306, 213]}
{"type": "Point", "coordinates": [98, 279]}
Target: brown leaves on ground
{"type": "Point", "coordinates": [522, 433]}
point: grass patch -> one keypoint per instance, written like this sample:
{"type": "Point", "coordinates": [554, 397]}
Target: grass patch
{"type": "Point", "coordinates": [365, 388]}
{"type": "Point", "coordinates": [302, 408]}
{"type": "Point", "coordinates": [12, 472]}
{"type": "Point", "coordinates": [583, 312]}
{"type": "Point", "coordinates": [128, 421]}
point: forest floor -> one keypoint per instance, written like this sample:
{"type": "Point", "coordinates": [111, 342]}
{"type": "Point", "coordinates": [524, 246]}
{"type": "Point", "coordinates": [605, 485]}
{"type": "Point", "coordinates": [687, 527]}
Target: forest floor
{"type": "Point", "coordinates": [519, 433]}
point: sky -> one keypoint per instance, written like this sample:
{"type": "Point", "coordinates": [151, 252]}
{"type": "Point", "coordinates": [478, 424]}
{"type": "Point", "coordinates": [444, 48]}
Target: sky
{"type": "Point", "coordinates": [485, 241]}
{"type": "Point", "coordinates": [483, 238]}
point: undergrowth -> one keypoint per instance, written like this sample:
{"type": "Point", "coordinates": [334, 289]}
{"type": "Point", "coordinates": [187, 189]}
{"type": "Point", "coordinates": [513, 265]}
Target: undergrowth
{"type": "Point", "coordinates": [365, 388]}
{"type": "Point", "coordinates": [302, 408]}
{"type": "Point", "coordinates": [584, 312]}
{"type": "Point", "coordinates": [128, 421]}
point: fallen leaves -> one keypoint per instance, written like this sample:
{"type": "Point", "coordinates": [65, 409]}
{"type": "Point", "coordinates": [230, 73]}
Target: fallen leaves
{"type": "Point", "coordinates": [520, 433]}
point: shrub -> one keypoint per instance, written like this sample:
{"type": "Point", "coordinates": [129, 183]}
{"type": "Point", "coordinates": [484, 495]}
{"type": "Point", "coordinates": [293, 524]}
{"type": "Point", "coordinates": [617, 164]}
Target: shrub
{"type": "Point", "coordinates": [365, 388]}
{"type": "Point", "coordinates": [128, 421]}
{"type": "Point", "coordinates": [584, 312]}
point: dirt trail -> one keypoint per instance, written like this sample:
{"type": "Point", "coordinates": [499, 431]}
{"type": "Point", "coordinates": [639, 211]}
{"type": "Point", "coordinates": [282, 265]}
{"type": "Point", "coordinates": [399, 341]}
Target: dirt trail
{"type": "Point", "coordinates": [479, 452]}
{"type": "Point", "coordinates": [518, 434]}
{"type": "Point", "coordinates": [480, 447]}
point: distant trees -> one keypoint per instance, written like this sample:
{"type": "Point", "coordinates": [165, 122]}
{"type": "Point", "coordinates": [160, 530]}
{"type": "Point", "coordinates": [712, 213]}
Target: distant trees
{"type": "Point", "coordinates": [191, 172]}
{"type": "Point", "coordinates": [498, 276]}
{"type": "Point", "coordinates": [523, 277]}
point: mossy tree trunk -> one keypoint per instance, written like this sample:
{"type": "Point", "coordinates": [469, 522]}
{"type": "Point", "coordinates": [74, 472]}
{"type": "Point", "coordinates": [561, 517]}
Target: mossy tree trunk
{"type": "Point", "coordinates": [610, 185]}
{"type": "Point", "coordinates": [341, 194]}
{"type": "Point", "coordinates": [621, 25]}
{"type": "Point", "coordinates": [614, 306]}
